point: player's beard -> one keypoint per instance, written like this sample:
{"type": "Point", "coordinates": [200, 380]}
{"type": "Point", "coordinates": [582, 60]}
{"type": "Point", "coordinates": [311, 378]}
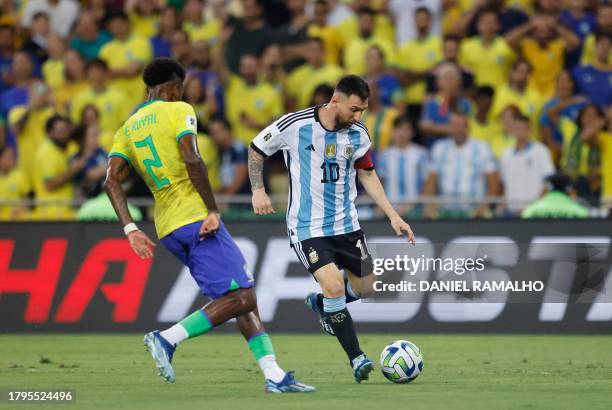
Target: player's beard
{"type": "Point", "coordinates": [340, 125]}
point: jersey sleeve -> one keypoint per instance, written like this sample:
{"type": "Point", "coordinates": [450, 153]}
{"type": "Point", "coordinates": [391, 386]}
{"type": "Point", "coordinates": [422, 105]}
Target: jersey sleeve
{"type": "Point", "coordinates": [119, 147]}
{"type": "Point", "coordinates": [184, 120]}
{"type": "Point", "coordinates": [271, 139]}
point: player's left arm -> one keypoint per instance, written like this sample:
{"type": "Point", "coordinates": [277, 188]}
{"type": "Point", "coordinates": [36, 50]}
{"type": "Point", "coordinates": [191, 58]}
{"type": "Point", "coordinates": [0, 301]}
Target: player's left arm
{"type": "Point", "coordinates": [198, 174]}
{"type": "Point", "coordinates": [116, 172]}
{"type": "Point", "coordinates": [370, 181]}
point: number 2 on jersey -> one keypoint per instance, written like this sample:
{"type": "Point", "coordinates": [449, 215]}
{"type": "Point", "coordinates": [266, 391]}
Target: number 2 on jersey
{"type": "Point", "coordinates": [151, 163]}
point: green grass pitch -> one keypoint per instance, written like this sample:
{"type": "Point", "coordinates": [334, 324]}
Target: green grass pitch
{"type": "Point", "coordinates": [216, 371]}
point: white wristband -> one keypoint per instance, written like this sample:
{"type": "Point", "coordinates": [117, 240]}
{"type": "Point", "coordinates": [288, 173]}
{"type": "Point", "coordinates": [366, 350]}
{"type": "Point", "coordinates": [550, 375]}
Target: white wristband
{"type": "Point", "coordinates": [131, 227]}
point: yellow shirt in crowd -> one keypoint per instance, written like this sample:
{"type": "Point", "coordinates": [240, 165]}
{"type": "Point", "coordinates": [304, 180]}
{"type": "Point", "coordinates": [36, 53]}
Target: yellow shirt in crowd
{"type": "Point", "coordinates": [333, 41]}
{"type": "Point", "coordinates": [419, 56]}
{"type": "Point", "coordinates": [546, 64]}
{"type": "Point", "coordinates": [302, 81]}
{"type": "Point", "coordinates": [529, 102]}
{"type": "Point", "coordinates": [491, 64]}
{"type": "Point", "coordinates": [209, 31]}
{"type": "Point", "coordinates": [380, 126]}
{"type": "Point", "coordinates": [605, 145]}
{"type": "Point", "coordinates": [52, 161]}
{"type": "Point", "coordinates": [111, 105]}
{"type": "Point", "coordinates": [261, 101]}
{"type": "Point", "coordinates": [492, 133]}
{"type": "Point", "coordinates": [119, 54]}
{"type": "Point", "coordinates": [14, 186]}
{"type": "Point", "coordinates": [144, 26]}
{"type": "Point", "coordinates": [357, 47]}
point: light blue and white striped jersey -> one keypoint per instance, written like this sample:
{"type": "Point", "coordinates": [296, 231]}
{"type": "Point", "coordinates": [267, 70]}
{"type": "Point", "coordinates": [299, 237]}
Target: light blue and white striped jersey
{"type": "Point", "coordinates": [462, 169]}
{"type": "Point", "coordinates": [322, 174]}
{"type": "Point", "coordinates": [403, 171]}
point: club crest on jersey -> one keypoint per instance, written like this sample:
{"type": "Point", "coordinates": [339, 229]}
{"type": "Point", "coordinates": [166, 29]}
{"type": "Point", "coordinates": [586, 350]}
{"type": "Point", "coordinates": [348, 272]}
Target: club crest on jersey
{"type": "Point", "coordinates": [330, 150]}
{"type": "Point", "coordinates": [267, 137]}
{"type": "Point", "coordinates": [348, 151]}
{"type": "Point", "coordinates": [191, 121]}
{"type": "Point", "coordinates": [313, 256]}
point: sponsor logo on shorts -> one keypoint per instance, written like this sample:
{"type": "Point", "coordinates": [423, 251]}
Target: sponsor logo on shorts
{"type": "Point", "coordinates": [313, 256]}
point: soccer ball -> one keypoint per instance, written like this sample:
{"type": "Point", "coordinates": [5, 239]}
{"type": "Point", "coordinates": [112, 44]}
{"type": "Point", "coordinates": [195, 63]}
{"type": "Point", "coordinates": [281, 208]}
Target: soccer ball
{"type": "Point", "coordinates": [401, 361]}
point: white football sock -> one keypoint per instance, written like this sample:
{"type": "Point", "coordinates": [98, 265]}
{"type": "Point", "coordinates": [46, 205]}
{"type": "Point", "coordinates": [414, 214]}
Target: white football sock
{"type": "Point", "coordinates": [270, 368]}
{"type": "Point", "coordinates": [175, 334]}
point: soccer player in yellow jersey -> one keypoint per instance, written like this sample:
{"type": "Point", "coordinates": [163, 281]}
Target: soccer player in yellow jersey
{"type": "Point", "coordinates": [159, 141]}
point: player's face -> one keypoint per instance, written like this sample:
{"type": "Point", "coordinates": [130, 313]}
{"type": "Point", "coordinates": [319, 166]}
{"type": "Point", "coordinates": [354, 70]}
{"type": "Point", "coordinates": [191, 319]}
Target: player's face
{"type": "Point", "coordinates": [349, 109]}
{"type": "Point", "coordinates": [488, 25]}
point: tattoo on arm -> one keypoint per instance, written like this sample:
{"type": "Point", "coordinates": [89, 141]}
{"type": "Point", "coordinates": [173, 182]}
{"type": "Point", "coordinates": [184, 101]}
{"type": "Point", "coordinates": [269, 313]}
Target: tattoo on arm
{"type": "Point", "coordinates": [116, 173]}
{"type": "Point", "coordinates": [196, 169]}
{"type": "Point", "coordinates": [256, 163]}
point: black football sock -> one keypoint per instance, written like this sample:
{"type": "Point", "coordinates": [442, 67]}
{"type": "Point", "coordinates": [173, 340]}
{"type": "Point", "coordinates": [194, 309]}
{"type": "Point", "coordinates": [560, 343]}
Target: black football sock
{"type": "Point", "coordinates": [341, 322]}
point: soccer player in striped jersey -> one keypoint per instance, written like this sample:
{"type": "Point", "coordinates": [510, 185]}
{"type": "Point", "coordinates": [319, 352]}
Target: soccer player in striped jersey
{"type": "Point", "coordinates": [325, 147]}
{"type": "Point", "coordinates": [159, 142]}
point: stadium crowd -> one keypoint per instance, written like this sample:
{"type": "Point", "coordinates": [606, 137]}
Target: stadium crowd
{"type": "Point", "coordinates": [471, 100]}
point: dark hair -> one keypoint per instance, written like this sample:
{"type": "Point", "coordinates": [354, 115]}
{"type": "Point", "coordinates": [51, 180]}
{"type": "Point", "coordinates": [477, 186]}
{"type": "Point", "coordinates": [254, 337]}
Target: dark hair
{"type": "Point", "coordinates": [484, 91]}
{"type": "Point", "coordinates": [451, 37]}
{"type": "Point", "coordinates": [316, 39]}
{"type": "Point", "coordinates": [600, 34]}
{"type": "Point", "coordinates": [401, 120]}
{"type": "Point", "coordinates": [324, 89]}
{"type": "Point", "coordinates": [353, 85]}
{"type": "Point", "coordinates": [366, 10]}
{"type": "Point", "coordinates": [89, 107]}
{"type": "Point", "coordinates": [520, 117]}
{"type": "Point", "coordinates": [598, 110]}
{"type": "Point", "coordinates": [9, 27]}
{"type": "Point", "coordinates": [559, 181]}
{"type": "Point", "coordinates": [488, 10]}
{"type": "Point", "coordinates": [50, 124]}
{"type": "Point", "coordinates": [521, 61]}
{"type": "Point", "coordinates": [96, 62]}
{"type": "Point", "coordinates": [116, 15]}
{"type": "Point", "coordinates": [222, 120]}
{"type": "Point", "coordinates": [423, 9]}
{"type": "Point", "coordinates": [162, 70]}
{"type": "Point", "coordinates": [40, 14]}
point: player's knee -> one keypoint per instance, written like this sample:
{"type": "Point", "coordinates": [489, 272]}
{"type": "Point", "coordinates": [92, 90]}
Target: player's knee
{"type": "Point", "coordinates": [245, 299]}
{"type": "Point", "coordinates": [333, 289]}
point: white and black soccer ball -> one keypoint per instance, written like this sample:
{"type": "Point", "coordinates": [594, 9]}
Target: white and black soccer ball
{"type": "Point", "coordinates": [401, 361]}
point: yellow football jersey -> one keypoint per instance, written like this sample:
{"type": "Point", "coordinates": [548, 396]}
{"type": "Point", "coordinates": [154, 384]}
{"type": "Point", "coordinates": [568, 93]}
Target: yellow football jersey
{"type": "Point", "coordinates": [492, 64]}
{"type": "Point", "coordinates": [419, 56]}
{"type": "Point", "coordinates": [605, 145]}
{"type": "Point", "coordinates": [14, 186]}
{"type": "Point", "coordinates": [303, 81]}
{"type": "Point", "coordinates": [148, 140]}
{"type": "Point", "coordinates": [111, 105]}
{"type": "Point", "coordinates": [52, 161]}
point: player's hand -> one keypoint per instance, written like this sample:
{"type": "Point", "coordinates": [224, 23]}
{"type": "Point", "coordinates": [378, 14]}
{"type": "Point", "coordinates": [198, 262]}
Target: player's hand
{"type": "Point", "coordinates": [400, 227]}
{"type": "Point", "coordinates": [141, 244]}
{"type": "Point", "coordinates": [261, 202]}
{"type": "Point", "coordinates": [211, 225]}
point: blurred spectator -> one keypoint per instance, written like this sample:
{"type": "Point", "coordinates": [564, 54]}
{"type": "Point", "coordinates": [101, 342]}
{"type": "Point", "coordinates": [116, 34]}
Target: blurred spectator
{"type": "Point", "coordinates": [604, 25]}
{"type": "Point", "coordinates": [354, 57]}
{"type": "Point", "coordinates": [88, 39]}
{"type": "Point", "coordinates": [597, 134]}
{"type": "Point", "coordinates": [126, 56]}
{"type": "Point", "coordinates": [53, 184]}
{"type": "Point", "coordinates": [90, 178]}
{"type": "Point", "coordinates": [389, 88]}
{"type": "Point", "coordinates": [168, 24]}
{"type": "Point", "coordinates": [461, 168]}
{"type": "Point", "coordinates": [195, 25]}
{"type": "Point", "coordinates": [200, 98]}
{"type": "Point", "coordinates": [322, 94]}
{"type": "Point", "coordinates": [250, 103]}
{"type": "Point", "coordinates": [482, 125]}
{"type": "Point", "coordinates": [37, 42]}
{"type": "Point", "coordinates": [332, 37]}
{"type": "Point", "coordinates": [109, 101]}
{"type": "Point", "coordinates": [144, 16]}
{"type": "Point", "coordinates": [595, 80]}
{"type": "Point", "coordinates": [417, 56]}
{"type": "Point", "coordinates": [292, 37]}
{"type": "Point", "coordinates": [581, 22]}
{"type": "Point", "coordinates": [98, 9]}
{"type": "Point", "coordinates": [565, 104]}
{"type": "Point", "coordinates": [73, 83]}
{"type": "Point", "coordinates": [543, 42]}
{"type": "Point", "coordinates": [338, 12]}
{"type": "Point", "coordinates": [27, 122]}
{"type": "Point", "coordinates": [201, 67]}
{"type": "Point", "coordinates": [273, 71]}
{"type": "Point", "coordinates": [579, 159]}
{"type": "Point", "coordinates": [488, 54]}
{"type": "Point", "coordinates": [379, 120]}
{"type": "Point", "coordinates": [438, 109]}
{"type": "Point", "coordinates": [302, 81]}
{"type": "Point", "coordinates": [249, 35]}
{"type": "Point", "coordinates": [509, 17]}
{"type": "Point", "coordinates": [210, 155]}
{"type": "Point", "coordinates": [7, 51]}
{"type": "Point", "coordinates": [403, 12]}
{"type": "Point", "coordinates": [62, 14]}
{"type": "Point", "coordinates": [519, 92]}
{"type": "Point", "coordinates": [90, 118]}
{"type": "Point", "coordinates": [180, 48]}
{"type": "Point", "coordinates": [403, 166]}
{"type": "Point", "coordinates": [233, 170]}
{"type": "Point", "coordinates": [524, 168]}
{"type": "Point", "coordinates": [14, 186]}
{"type": "Point", "coordinates": [53, 67]}
{"type": "Point", "coordinates": [450, 51]}
{"type": "Point", "coordinates": [557, 203]}
{"type": "Point", "coordinates": [382, 26]}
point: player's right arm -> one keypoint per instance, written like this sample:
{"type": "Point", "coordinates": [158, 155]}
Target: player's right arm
{"type": "Point", "coordinates": [266, 143]}
{"type": "Point", "coordinates": [116, 172]}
